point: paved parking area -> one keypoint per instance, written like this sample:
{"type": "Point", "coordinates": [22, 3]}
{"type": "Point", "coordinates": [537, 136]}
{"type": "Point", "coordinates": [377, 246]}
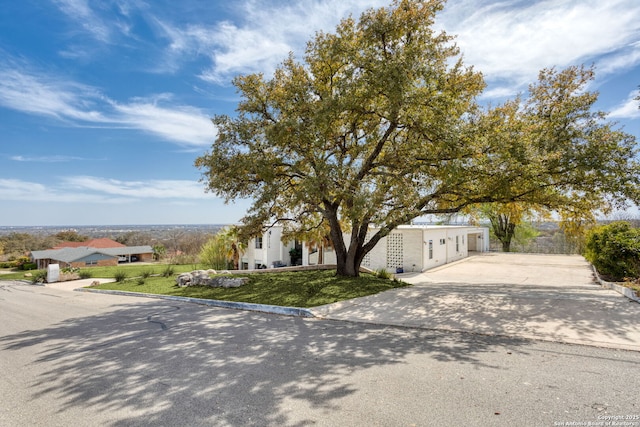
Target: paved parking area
{"type": "Point", "coordinates": [544, 297]}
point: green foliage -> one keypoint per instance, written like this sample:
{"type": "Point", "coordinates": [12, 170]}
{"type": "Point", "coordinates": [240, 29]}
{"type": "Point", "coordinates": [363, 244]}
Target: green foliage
{"type": "Point", "coordinates": [214, 253]}
{"type": "Point", "coordinates": [289, 289]}
{"type": "Point", "coordinates": [382, 273]}
{"type": "Point", "coordinates": [380, 125]}
{"type": "Point", "coordinates": [184, 259]}
{"type": "Point", "coordinates": [8, 264]}
{"type": "Point", "coordinates": [140, 281]}
{"type": "Point", "coordinates": [39, 277]}
{"type": "Point", "coordinates": [614, 250]}
{"type": "Point", "coordinates": [21, 261]}
{"type": "Point", "coordinates": [168, 271]}
{"type": "Point", "coordinates": [85, 274]}
{"type": "Point", "coordinates": [29, 266]}
{"type": "Point", "coordinates": [132, 270]}
{"type": "Point", "coordinates": [159, 252]}
{"type": "Point", "coordinates": [296, 255]}
{"type": "Point", "coordinates": [120, 275]}
{"type": "Point", "coordinates": [71, 236]}
{"type": "Point", "coordinates": [146, 274]}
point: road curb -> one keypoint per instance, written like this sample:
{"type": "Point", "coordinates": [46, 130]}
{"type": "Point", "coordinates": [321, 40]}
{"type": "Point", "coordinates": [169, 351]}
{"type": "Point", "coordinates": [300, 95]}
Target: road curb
{"type": "Point", "coordinates": [623, 290]}
{"type": "Point", "coordinates": [262, 308]}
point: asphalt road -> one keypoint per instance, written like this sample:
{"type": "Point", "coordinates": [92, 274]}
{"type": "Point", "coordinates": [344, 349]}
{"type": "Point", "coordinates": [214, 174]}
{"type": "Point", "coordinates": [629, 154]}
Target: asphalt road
{"type": "Point", "coordinates": [74, 358]}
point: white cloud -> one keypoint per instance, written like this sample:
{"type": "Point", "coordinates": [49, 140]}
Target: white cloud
{"type": "Point", "coordinates": [261, 37]}
{"type": "Point", "coordinates": [511, 41]}
{"type": "Point", "coordinates": [181, 124]}
{"type": "Point", "coordinates": [45, 159]}
{"type": "Point", "coordinates": [629, 109]}
{"type": "Point", "coordinates": [19, 190]}
{"type": "Point", "coordinates": [91, 189]}
{"type": "Point", "coordinates": [156, 189]}
{"type": "Point", "coordinates": [27, 91]}
{"type": "Point", "coordinates": [81, 13]}
{"type": "Point", "coordinates": [32, 92]}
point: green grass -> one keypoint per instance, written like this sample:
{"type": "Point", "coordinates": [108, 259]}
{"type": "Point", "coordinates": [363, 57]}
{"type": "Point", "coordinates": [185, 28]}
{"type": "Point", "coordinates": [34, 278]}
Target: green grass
{"type": "Point", "coordinates": [131, 270]}
{"type": "Point", "coordinates": [290, 289]}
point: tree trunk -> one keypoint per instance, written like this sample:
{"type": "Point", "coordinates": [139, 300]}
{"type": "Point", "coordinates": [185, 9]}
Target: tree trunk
{"type": "Point", "coordinates": [504, 230]}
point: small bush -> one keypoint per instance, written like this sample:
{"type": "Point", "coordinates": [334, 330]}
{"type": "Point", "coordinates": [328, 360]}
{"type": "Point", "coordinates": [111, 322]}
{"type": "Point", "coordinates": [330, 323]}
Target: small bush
{"type": "Point", "coordinates": [146, 274]}
{"type": "Point", "coordinates": [29, 266]}
{"type": "Point", "coordinates": [8, 264]}
{"type": "Point", "coordinates": [168, 271]}
{"type": "Point", "coordinates": [614, 250]}
{"type": "Point", "coordinates": [120, 275]}
{"type": "Point", "coordinates": [85, 274]}
{"type": "Point", "coordinates": [140, 281]}
{"type": "Point", "coordinates": [381, 273]}
{"type": "Point", "coordinates": [39, 277]}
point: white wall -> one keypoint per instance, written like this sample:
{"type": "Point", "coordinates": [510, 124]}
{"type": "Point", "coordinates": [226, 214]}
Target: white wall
{"type": "Point", "coordinates": [438, 238]}
{"type": "Point", "coordinates": [414, 243]}
{"type": "Point", "coordinates": [273, 249]}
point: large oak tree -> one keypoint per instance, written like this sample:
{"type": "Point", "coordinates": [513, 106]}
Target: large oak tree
{"type": "Point", "coordinates": [379, 125]}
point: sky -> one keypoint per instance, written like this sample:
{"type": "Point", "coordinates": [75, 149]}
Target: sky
{"type": "Point", "coordinates": [105, 104]}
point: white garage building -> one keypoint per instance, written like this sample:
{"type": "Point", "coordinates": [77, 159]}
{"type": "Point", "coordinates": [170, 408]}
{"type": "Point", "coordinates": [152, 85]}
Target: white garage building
{"type": "Point", "coordinates": [415, 247]}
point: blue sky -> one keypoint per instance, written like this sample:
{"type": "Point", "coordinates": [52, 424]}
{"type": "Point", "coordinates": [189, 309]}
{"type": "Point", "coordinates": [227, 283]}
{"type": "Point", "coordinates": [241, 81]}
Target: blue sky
{"type": "Point", "coordinates": [105, 104]}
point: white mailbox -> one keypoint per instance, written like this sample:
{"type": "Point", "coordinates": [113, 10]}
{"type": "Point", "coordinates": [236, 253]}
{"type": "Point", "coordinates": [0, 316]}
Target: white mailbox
{"type": "Point", "coordinates": [53, 273]}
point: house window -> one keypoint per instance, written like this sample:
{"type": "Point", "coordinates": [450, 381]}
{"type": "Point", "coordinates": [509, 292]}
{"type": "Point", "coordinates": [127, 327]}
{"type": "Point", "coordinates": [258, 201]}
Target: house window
{"type": "Point", "coordinates": [430, 249]}
{"type": "Point", "coordinates": [258, 242]}
{"type": "Point", "coordinates": [457, 243]}
{"type": "Point", "coordinates": [90, 263]}
{"type": "Point", "coordinates": [443, 241]}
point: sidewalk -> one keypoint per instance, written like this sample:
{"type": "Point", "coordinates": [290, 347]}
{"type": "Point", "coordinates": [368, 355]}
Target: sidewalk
{"type": "Point", "coordinates": [75, 284]}
{"type": "Point", "coordinates": [543, 297]}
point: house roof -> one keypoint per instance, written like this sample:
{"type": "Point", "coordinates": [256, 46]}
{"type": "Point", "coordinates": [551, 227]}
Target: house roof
{"type": "Point", "coordinates": [75, 254]}
{"type": "Point", "coordinates": [94, 243]}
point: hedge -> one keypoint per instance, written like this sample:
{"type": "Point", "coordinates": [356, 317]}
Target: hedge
{"type": "Point", "coordinates": [614, 250]}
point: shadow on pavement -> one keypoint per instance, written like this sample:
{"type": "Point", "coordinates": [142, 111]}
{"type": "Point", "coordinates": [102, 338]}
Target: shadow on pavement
{"type": "Point", "coordinates": [178, 364]}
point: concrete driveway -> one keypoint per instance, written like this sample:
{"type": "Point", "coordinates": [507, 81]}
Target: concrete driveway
{"type": "Point", "coordinates": [543, 297]}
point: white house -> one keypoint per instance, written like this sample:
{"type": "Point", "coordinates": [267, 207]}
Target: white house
{"type": "Point", "coordinates": [268, 251]}
{"type": "Point", "coordinates": [407, 248]}
{"type": "Point", "coordinates": [421, 247]}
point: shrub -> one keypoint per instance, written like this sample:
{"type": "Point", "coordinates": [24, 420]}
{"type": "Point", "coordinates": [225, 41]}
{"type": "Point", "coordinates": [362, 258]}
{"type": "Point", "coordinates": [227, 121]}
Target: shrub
{"type": "Point", "coordinates": [8, 264]}
{"type": "Point", "coordinates": [614, 250]}
{"type": "Point", "coordinates": [383, 274]}
{"type": "Point", "coordinates": [140, 281]}
{"type": "Point", "coordinates": [120, 275]}
{"type": "Point", "coordinates": [168, 271]}
{"type": "Point", "coordinates": [146, 274]}
{"type": "Point", "coordinates": [39, 277]}
{"type": "Point", "coordinates": [85, 274]}
{"type": "Point", "coordinates": [29, 266]}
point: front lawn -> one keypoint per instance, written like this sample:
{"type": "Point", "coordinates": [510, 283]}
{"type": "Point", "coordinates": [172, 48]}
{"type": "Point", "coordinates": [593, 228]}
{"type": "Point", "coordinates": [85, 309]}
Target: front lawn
{"type": "Point", "coordinates": [130, 270]}
{"type": "Point", "coordinates": [289, 289]}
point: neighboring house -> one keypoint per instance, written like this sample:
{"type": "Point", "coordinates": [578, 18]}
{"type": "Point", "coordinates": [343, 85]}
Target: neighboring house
{"type": "Point", "coordinates": [94, 243]}
{"type": "Point", "coordinates": [85, 256]}
{"type": "Point", "coordinates": [408, 247]}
